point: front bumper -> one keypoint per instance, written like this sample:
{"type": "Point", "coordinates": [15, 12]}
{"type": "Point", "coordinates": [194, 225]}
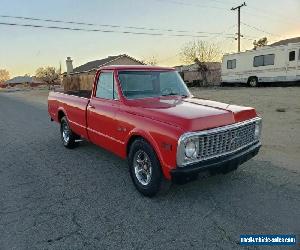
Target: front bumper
{"type": "Point", "coordinates": [222, 164]}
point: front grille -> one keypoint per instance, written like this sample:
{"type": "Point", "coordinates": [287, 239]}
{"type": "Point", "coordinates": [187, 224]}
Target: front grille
{"type": "Point", "coordinates": [225, 141]}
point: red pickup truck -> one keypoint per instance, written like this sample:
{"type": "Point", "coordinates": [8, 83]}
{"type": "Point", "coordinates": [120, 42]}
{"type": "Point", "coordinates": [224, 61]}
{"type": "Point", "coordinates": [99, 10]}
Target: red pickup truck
{"type": "Point", "coordinates": [148, 116]}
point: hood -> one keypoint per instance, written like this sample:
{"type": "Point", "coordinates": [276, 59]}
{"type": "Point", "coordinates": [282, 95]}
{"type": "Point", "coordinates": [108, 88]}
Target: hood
{"type": "Point", "coordinates": [190, 114]}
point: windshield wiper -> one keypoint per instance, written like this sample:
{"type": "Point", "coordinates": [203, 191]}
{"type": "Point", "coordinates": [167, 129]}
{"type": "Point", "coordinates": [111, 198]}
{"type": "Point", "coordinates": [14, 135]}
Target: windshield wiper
{"type": "Point", "coordinates": [172, 94]}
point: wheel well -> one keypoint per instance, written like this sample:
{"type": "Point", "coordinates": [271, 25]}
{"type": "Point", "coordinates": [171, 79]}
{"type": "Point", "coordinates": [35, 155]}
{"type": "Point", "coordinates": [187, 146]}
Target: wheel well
{"type": "Point", "coordinates": [61, 114]}
{"type": "Point", "coordinates": [131, 140]}
{"type": "Point", "coordinates": [250, 77]}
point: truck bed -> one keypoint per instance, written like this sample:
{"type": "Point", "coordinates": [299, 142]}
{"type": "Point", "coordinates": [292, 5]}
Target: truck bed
{"type": "Point", "coordinates": [79, 93]}
{"type": "Point", "coordinates": [73, 104]}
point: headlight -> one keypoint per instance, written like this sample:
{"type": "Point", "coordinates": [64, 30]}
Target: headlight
{"type": "Point", "coordinates": [191, 149]}
{"type": "Point", "coordinates": [257, 131]}
{"type": "Point", "coordinates": [188, 150]}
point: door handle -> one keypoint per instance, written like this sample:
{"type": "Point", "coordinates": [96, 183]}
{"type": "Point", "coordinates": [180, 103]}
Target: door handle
{"type": "Point", "coordinates": [91, 106]}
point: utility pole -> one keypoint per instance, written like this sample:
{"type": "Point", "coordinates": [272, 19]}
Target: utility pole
{"type": "Point", "coordinates": [239, 24]}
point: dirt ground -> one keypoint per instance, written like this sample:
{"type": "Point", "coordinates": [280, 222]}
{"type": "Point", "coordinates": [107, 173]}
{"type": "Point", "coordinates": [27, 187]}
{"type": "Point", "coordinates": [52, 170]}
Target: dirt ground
{"type": "Point", "coordinates": [281, 130]}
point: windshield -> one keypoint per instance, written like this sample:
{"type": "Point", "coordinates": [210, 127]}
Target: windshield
{"type": "Point", "coordinates": [143, 84]}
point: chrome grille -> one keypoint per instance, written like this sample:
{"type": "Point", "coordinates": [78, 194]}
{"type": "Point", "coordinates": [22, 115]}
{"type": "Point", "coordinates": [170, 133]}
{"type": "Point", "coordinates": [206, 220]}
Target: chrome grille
{"type": "Point", "coordinates": [226, 141]}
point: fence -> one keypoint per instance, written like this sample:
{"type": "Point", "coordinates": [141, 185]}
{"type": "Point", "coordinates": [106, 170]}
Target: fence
{"type": "Point", "coordinates": [82, 81]}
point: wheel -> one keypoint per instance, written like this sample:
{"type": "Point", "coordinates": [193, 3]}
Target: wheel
{"type": "Point", "coordinates": [253, 82]}
{"type": "Point", "coordinates": [67, 136]}
{"type": "Point", "coordinates": [145, 169]}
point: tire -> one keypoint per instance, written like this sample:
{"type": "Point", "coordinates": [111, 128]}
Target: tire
{"type": "Point", "coordinates": [145, 169]}
{"type": "Point", "coordinates": [67, 136]}
{"type": "Point", "coordinates": [253, 82]}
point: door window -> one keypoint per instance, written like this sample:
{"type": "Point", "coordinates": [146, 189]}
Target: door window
{"type": "Point", "coordinates": [106, 87]}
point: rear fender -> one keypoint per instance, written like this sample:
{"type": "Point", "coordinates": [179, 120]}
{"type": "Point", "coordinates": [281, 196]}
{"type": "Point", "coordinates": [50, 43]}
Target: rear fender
{"type": "Point", "coordinates": [61, 109]}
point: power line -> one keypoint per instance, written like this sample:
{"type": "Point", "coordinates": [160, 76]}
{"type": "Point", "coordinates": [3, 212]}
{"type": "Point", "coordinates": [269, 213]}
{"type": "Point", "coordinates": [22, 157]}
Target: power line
{"type": "Point", "coordinates": [278, 16]}
{"type": "Point", "coordinates": [261, 30]}
{"type": "Point", "coordinates": [110, 25]}
{"type": "Point", "coordinates": [216, 34]}
{"type": "Point", "coordinates": [282, 18]}
{"type": "Point", "coordinates": [223, 32]}
{"type": "Point", "coordinates": [100, 30]}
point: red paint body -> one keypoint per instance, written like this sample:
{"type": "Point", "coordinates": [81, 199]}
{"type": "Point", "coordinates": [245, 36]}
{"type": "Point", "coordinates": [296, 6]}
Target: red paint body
{"type": "Point", "coordinates": [111, 124]}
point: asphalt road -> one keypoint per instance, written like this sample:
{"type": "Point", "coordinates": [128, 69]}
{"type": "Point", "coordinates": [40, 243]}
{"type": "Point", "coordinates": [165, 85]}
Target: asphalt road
{"type": "Point", "coordinates": [54, 198]}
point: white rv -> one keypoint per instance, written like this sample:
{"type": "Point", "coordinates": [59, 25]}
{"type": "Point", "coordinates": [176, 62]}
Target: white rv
{"type": "Point", "coordinates": [267, 64]}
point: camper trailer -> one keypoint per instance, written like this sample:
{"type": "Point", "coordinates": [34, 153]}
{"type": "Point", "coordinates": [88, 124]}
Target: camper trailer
{"type": "Point", "coordinates": [267, 64]}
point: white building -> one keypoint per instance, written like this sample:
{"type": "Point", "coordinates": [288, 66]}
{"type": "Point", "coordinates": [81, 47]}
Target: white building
{"type": "Point", "coordinates": [190, 73]}
{"type": "Point", "coordinates": [267, 64]}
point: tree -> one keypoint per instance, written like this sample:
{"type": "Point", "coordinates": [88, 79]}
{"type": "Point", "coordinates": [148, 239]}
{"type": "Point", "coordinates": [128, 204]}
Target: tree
{"type": "Point", "coordinates": [150, 61]}
{"type": "Point", "coordinates": [4, 75]}
{"type": "Point", "coordinates": [48, 74]}
{"type": "Point", "coordinates": [260, 43]}
{"type": "Point", "coordinates": [201, 52]}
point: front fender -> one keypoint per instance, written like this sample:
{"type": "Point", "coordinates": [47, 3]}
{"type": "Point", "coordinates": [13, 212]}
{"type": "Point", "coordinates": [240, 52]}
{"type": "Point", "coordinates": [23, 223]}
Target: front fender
{"type": "Point", "coordinates": [166, 157]}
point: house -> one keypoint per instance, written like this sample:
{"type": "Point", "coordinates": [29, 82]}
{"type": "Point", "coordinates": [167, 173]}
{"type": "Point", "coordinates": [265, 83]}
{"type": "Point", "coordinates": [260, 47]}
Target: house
{"type": "Point", "coordinates": [191, 75]}
{"type": "Point", "coordinates": [287, 41]}
{"type": "Point", "coordinates": [30, 80]}
{"type": "Point", "coordinates": [82, 77]}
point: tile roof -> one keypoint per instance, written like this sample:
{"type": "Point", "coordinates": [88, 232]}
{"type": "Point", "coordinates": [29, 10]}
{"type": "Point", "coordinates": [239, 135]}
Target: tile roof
{"type": "Point", "coordinates": [22, 79]}
{"type": "Point", "coordinates": [287, 41]}
{"type": "Point", "coordinates": [94, 64]}
{"type": "Point", "coordinates": [98, 63]}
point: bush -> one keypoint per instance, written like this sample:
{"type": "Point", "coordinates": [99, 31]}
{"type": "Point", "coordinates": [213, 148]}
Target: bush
{"type": "Point", "coordinates": [3, 85]}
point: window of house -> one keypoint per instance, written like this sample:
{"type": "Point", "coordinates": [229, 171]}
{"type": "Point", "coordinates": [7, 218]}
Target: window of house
{"type": "Point", "coordinates": [231, 64]}
{"type": "Point", "coordinates": [105, 87]}
{"type": "Point", "coordinates": [292, 55]}
{"type": "Point", "coordinates": [263, 60]}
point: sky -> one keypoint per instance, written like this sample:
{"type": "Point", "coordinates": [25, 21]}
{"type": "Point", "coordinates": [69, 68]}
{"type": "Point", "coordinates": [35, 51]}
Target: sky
{"type": "Point", "coordinates": [24, 49]}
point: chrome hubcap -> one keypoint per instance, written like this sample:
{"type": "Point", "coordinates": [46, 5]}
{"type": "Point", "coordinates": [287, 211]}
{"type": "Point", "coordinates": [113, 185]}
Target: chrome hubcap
{"type": "Point", "coordinates": [65, 132]}
{"type": "Point", "coordinates": [253, 82]}
{"type": "Point", "coordinates": [142, 167]}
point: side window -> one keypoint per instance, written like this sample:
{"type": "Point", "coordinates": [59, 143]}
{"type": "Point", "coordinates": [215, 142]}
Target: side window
{"type": "Point", "coordinates": [263, 60]}
{"type": "Point", "coordinates": [106, 87]}
{"type": "Point", "coordinates": [269, 59]}
{"type": "Point", "coordinates": [231, 64]}
{"type": "Point", "coordinates": [258, 61]}
{"type": "Point", "coordinates": [292, 55]}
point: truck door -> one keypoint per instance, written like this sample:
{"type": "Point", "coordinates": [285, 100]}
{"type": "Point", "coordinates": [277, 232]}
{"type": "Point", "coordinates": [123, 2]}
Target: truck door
{"type": "Point", "coordinates": [101, 112]}
{"type": "Point", "coordinates": [292, 64]}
